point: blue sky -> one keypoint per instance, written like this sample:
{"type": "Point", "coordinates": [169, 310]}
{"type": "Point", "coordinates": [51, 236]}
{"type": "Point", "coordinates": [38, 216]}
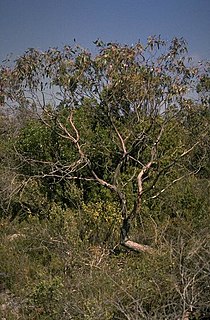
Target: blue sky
{"type": "Point", "coordinates": [53, 23]}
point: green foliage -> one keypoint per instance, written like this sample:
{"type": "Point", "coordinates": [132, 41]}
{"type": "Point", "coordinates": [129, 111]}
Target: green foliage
{"type": "Point", "coordinates": [103, 118]}
{"type": "Point", "coordinates": [97, 141]}
{"type": "Point", "coordinates": [101, 220]}
{"type": "Point", "coordinates": [44, 299]}
{"type": "Point", "coordinates": [47, 272]}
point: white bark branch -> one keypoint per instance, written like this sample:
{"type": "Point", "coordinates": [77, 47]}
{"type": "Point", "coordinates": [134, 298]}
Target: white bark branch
{"type": "Point", "coordinates": [137, 247]}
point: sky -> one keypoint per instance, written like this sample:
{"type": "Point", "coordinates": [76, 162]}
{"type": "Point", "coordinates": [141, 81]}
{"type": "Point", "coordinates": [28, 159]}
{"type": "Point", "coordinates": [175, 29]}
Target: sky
{"type": "Point", "coordinates": [54, 23]}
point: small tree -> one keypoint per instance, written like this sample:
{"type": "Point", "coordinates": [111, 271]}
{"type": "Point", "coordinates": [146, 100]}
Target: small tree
{"type": "Point", "coordinates": [124, 114]}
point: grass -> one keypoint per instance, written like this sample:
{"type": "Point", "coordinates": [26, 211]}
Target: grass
{"type": "Point", "coordinates": [48, 272]}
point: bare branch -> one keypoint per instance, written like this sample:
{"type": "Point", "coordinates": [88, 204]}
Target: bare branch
{"type": "Point", "coordinates": [121, 140]}
{"type": "Point", "coordinates": [73, 126]}
{"type": "Point", "coordinates": [173, 182]}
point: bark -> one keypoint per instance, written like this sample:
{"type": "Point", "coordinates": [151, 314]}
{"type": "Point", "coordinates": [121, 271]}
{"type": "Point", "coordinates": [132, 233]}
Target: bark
{"type": "Point", "coordinates": [132, 245]}
{"type": "Point", "coordinates": [137, 246]}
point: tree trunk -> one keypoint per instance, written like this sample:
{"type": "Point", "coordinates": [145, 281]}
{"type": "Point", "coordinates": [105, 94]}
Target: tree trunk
{"type": "Point", "coordinates": [129, 243]}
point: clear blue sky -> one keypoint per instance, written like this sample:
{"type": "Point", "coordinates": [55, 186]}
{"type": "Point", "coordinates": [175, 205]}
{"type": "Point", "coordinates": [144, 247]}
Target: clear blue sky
{"type": "Point", "coordinates": [54, 23]}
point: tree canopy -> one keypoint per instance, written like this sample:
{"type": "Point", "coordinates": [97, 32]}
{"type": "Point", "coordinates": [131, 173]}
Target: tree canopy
{"type": "Point", "coordinates": [127, 118]}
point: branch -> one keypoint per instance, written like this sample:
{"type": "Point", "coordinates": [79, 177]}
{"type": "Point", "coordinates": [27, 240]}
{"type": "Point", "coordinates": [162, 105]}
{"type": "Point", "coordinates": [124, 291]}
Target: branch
{"type": "Point", "coordinates": [73, 126]}
{"type": "Point", "coordinates": [155, 145]}
{"type": "Point", "coordinates": [101, 181]}
{"type": "Point", "coordinates": [140, 176]}
{"type": "Point", "coordinates": [164, 170]}
{"type": "Point", "coordinates": [121, 139]}
{"type": "Point", "coordinates": [170, 184]}
{"type": "Point", "coordinates": [137, 247]}
{"type": "Point", "coordinates": [68, 135]}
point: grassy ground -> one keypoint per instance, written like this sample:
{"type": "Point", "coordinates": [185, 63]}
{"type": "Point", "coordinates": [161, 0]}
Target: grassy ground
{"type": "Point", "coordinates": [48, 272]}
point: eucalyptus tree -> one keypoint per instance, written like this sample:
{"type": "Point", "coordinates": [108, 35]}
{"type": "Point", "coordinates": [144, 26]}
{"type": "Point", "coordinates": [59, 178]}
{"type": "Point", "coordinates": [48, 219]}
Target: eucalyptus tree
{"type": "Point", "coordinates": [123, 111]}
